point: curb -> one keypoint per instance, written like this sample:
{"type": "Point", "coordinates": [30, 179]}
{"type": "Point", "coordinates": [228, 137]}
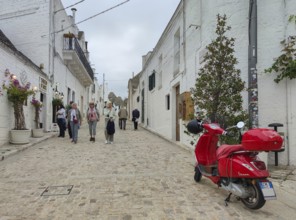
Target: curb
{"type": "Point", "coordinates": [169, 140]}
{"type": "Point", "coordinates": [12, 149]}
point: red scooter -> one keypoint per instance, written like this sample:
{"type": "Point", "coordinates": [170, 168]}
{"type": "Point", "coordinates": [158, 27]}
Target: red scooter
{"type": "Point", "coordinates": [236, 168]}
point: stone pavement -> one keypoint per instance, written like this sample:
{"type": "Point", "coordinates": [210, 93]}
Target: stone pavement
{"type": "Point", "coordinates": [140, 176]}
{"type": "Point", "coordinates": [8, 150]}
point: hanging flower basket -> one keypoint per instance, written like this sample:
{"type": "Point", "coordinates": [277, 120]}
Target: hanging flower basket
{"type": "Point", "coordinates": [69, 35]}
{"type": "Point", "coordinates": [57, 102]}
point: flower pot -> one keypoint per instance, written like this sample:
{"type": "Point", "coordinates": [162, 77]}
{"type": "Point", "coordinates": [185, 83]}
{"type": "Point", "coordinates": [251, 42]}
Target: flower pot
{"type": "Point", "coordinates": [38, 132]}
{"type": "Point", "coordinates": [20, 136]}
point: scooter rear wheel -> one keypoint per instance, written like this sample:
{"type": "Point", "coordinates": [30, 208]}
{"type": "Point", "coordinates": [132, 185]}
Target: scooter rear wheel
{"type": "Point", "coordinates": [197, 175]}
{"type": "Point", "coordinates": [256, 200]}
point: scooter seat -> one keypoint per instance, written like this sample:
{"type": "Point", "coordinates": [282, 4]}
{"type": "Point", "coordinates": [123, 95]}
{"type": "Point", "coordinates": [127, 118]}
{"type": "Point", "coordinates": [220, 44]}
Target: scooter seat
{"type": "Point", "coordinates": [225, 150]}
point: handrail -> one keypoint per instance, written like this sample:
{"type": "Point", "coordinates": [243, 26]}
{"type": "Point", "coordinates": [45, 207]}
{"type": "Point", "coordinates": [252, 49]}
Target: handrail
{"type": "Point", "coordinates": [73, 44]}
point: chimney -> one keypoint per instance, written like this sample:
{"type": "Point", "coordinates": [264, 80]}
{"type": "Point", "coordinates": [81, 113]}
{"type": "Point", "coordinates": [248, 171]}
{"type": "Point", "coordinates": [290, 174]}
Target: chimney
{"type": "Point", "coordinates": [86, 51]}
{"type": "Point", "coordinates": [73, 13]}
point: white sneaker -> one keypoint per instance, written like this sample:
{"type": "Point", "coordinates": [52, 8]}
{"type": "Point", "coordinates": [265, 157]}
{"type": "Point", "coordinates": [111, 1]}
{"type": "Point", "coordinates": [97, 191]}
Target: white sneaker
{"type": "Point", "coordinates": [106, 142]}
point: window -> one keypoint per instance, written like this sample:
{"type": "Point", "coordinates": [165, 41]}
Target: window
{"type": "Point", "coordinates": [177, 44]}
{"type": "Point", "coordinates": [69, 95]}
{"type": "Point", "coordinates": [73, 96]}
{"type": "Point", "coordinates": [152, 81]}
{"type": "Point", "coordinates": [167, 101]}
{"type": "Point", "coordinates": [159, 80]}
{"type": "Point", "coordinates": [42, 85]}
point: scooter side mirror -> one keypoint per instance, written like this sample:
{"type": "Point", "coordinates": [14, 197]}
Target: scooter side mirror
{"type": "Point", "coordinates": [240, 124]}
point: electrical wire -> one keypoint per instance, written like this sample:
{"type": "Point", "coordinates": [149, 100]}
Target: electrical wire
{"type": "Point", "coordinates": [93, 16]}
{"type": "Point", "coordinates": [69, 6]}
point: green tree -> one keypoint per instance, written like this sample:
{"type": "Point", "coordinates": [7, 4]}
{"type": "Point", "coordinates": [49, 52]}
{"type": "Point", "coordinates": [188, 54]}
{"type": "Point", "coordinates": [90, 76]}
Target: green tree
{"type": "Point", "coordinates": [218, 88]}
{"type": "Point", "coordinates": [125, 101]}
{"type": "Point", "coordinates": [118, 101]}
{"type": "Point", "coordinates": [112, 97]}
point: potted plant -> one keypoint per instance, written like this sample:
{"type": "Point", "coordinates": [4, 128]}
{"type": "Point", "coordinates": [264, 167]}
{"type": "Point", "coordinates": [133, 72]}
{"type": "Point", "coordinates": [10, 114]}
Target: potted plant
{"type": "Point", "coordinates": [37, 131]}
{"type": "Point", "coordinates": [18, 95]}
{"type": "Point", "coordinates": [69, 35]}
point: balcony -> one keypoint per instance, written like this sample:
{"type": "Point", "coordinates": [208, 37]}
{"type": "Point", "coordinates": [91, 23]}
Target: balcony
{"type": "Point", "coordinates": [76, 61]}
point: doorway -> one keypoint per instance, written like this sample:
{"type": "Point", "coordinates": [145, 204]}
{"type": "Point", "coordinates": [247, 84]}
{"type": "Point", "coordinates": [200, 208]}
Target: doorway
{"type": "Point", "coordinates": [143, 107]}
{"type": "Point", "coordinates": [178, 112]}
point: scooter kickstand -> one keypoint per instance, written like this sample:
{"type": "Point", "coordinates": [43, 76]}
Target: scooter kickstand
{"type": "Point", "coordinates": [227, 199]}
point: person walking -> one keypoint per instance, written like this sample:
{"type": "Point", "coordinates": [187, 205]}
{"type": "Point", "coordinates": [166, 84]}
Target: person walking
{"type": "Point", "coordinates": [109, 113]}
{"type": "Point", "coordinates": [74, 117]}
{"type": "Point", "coordinates": [122, 114]}
{"type": "Point", "coordinates": [61, 119]}
{"type": "Point", "coordinates": [135, 119]}
{"type": "Point", "coordinates": [68, 107]}
{"type": "Point", "coordinates": [93, 116]}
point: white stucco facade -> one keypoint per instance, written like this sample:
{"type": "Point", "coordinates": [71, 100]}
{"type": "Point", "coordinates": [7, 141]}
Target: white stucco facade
{"type": "Point", "coordinates": [176, 58]}
{"type": "Point", "coordinates": [44, 33]}
{"type": "Point", "coordinates": [37, 28]}
{"type": "Point", "coordinates": [25, 71]}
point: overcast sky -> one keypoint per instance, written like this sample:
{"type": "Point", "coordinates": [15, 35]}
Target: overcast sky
{"type": "Point", "coordinates": [119, 38]}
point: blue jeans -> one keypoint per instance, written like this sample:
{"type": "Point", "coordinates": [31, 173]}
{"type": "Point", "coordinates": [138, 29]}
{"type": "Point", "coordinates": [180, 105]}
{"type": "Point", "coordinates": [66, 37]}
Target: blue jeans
{"type": "Point", "coordinates": [62, 126]}
{"type": "Point", "coordinates": [92, 128]}
{"type": "Point", "coordinates": [74, 130]}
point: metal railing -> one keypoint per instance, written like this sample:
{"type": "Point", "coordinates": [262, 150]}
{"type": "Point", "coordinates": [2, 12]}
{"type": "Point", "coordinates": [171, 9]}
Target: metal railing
{"type": "Point", "coordinates": [73, 44]}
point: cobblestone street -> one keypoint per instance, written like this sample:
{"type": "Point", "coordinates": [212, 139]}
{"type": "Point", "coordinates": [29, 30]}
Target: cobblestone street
{"type": "Point", "coordinates": [140, 176]}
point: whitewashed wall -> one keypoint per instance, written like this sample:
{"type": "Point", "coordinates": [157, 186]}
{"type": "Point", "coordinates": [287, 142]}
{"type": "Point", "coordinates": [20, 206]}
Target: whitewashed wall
{"type": "Point", "coordinates": [26, 24]}
{"type": "Point", "coordinates": [34, 27]}
{"type": "Point", "coordinates": [275, 100]}
{"type": "Point", "coordinates": [16, 66]}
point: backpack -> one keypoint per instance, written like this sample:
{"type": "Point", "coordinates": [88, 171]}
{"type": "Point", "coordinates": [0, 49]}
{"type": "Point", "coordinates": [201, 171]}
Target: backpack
{"type": "Point", "coordinates": [97, 114]}
{"type": "Point", "coordinates": [110, 127]}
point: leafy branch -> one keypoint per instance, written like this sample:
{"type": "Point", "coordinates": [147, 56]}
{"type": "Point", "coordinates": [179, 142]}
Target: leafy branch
{"type": "Point", "coordinates": [285, 64]}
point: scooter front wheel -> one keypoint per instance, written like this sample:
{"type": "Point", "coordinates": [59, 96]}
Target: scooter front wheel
{"type": "Point", "coordinates": [197, 174]}
{"type": "Point", "coordinates": [256, 200]}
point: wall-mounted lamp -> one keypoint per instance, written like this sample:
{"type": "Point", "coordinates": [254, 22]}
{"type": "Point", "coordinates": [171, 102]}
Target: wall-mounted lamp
{"type": "Point", "coordinates": [57, 94]}
{"type": "Point", "coordinates": [35, 88]}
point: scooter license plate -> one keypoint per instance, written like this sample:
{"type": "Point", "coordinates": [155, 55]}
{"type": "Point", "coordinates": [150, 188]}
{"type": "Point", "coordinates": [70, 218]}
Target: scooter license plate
{"type": "Point", "coordinates": [267, 190]}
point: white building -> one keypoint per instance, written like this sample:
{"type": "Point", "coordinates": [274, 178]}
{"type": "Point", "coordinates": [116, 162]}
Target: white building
{"type": "Point", "coordinates": [49, 37]}
{"type": "Point", "coordinates": [96, 94]}
{"type": "Point", "coordinates": [14, 62]}
{"type": "Point", "coordinates": [169, 71]}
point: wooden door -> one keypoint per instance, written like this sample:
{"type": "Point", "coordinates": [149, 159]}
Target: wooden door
{"type": "Point", "coordinates": [178, 112]}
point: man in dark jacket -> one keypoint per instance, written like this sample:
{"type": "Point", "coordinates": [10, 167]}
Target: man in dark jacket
{"type": "Point", "coordinates": [135, 119]}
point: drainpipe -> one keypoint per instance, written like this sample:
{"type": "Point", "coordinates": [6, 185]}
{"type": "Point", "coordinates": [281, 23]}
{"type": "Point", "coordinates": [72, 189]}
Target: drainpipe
{"type": "Point", "coordinates": [252, 72]}
{"type": "Point", "coordinates": [184, 37]}
{"type": "Point", "coordinates": [252, 62]}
